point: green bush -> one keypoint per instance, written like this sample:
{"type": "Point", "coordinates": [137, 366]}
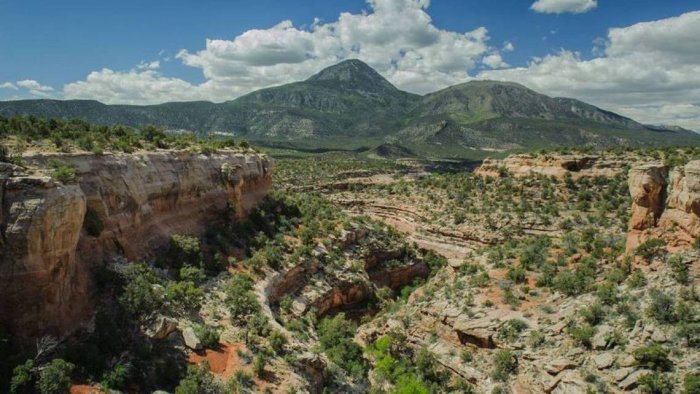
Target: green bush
{"type": "Point", "coordinates": [54, 378]}
{"type": "Point", "coordinates": [691, 383]}
{"type": "Point", "coordinates": [336, 338]}
{"type": "Point", "coordinates": [241, 301]}
{"type": "Point", "coordinates": [141, 296]}
{"type": "Point", "coordinates": [662, 307]}
{"type": "Point", "coordinates": [656, 383]}
{"type": "Point", "coordinates": [259, 365]}
{"type": "Point", "coordinates": [680, 270]}
{"type": "Point", "coordinates": [207, 335]}
{"type": "Point", "coordinates": [183, 294]}
{"type": "Point", "coordinates": [277, 341]}
{"type": "Point", "coordinates": [62, 172]}
{"type": "Point", "coordinates": [654, 357]}
{"type": "Point", "coordinates": [183, 250]}
{"type": "Point", "coordinates": [198, 381]}
{"type": "Point", "coordinates": [117, 378]}
{"type": "Point", "coordinates": [582, 335]}
{"type": "Point", "coordinates": [22, 378]}
{"type": "Point", "coordinates": [650, 248]}
{"type": "Point", "coordinates": [505, 364]}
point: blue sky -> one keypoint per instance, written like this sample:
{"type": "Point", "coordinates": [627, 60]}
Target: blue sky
{"type": "Point", "coordinates": [127, 51]}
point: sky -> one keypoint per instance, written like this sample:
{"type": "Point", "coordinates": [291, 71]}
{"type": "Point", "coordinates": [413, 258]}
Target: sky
{"type": "Point", "coordinates": [640, 58]}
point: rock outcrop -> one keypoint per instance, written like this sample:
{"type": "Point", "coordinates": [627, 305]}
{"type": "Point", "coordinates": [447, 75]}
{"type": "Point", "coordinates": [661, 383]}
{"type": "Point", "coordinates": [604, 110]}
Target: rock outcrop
{"type": "Point", "coordinates": [665, 201]}
{"type": "Point", "coordinates": [556, 165]}
{"type": "Point", "coordinates": [134, 201]}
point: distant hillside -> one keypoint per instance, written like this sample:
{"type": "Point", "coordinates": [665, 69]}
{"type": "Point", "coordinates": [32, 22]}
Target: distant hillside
{"type": "Point", "coordinates": [350, 101]}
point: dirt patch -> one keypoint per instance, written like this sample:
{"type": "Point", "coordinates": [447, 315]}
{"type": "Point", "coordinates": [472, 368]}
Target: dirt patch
{"type": "Point", "coordinates": [85, 389]}
{"type": "Point", "coordinates": [223, 361]}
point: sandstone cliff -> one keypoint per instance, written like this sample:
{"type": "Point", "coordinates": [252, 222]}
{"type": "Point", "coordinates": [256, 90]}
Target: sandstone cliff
{"type": "Point", "coordinates": [139, 201]}
{"type": "Point", "coordinates": [666, 203]}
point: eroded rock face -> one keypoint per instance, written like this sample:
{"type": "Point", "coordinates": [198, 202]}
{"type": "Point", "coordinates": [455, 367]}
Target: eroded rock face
{"type": "Point", "coordinates": [556, 165]}
{"type": "Point", "coordinates": [665, 199]}
{"type": "Point", "coordinates": [140, 200]}
{"type": "Point", "coordinates": [647, 185]}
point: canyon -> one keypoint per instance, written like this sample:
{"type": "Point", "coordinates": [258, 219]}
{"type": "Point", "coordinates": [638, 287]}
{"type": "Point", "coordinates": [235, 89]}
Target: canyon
{"type": "Point", "coordinates": [136, 201]}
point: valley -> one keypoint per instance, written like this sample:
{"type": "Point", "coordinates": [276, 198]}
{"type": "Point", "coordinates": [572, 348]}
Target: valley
{"type": "Point", "coordinates": [207, 266]}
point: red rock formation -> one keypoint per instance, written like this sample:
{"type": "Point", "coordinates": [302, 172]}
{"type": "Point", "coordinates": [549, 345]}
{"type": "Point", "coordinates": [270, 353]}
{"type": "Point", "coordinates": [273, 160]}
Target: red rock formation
{"type": "Point", "coordinates": [666, 203]}
{"type": "Point", "coordinates": [141, 199]}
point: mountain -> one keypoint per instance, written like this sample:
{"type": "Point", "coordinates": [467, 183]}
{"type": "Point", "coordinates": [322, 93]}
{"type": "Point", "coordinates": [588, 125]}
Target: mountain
{"type": "Point", "coordinates": [351, 105]}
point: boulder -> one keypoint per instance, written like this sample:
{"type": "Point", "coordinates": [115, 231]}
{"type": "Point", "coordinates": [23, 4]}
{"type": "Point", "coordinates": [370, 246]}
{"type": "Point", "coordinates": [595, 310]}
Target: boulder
{"type": "Point", "coordinates": [161, 327]}
{"type": "Point", "coordinates": [603, 360]}
{"type": "Point", "coordinates": [191, 339]}
{"type": "Point", "coordinates": [632, 380]}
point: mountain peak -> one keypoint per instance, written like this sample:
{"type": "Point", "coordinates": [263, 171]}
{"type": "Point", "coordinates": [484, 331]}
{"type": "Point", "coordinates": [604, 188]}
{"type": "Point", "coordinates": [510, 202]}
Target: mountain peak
{"type": "Point", "coordinates": [355, 75]}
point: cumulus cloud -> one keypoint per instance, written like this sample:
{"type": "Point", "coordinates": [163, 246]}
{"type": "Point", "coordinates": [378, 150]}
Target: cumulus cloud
{"type": "Point", "coordinates": [396, 37]}
{"type": "Point", "coordinates": [563, 6]}
{"type": "Point", "coordinates": [34, 87]}
{"type": "Point", "coordinates": [138, 86]}
{"type": "Point", "coordinates": [649, 71]}
{"type": "Point", "coordinates": [8, 85]}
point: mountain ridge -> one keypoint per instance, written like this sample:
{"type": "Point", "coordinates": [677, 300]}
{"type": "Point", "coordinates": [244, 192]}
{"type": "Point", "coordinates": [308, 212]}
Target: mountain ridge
{"type": "Point", "coordinates": [351, 100]}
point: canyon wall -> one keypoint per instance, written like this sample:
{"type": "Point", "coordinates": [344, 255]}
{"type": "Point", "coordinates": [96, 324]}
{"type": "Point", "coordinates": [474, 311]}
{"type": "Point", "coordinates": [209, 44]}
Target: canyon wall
{"type": "Point", "coordinates": [136, 201]}
{"type": "Point", "coordinates": [553, 164]}
{"type": "Point", "coordinates": [666, 203]}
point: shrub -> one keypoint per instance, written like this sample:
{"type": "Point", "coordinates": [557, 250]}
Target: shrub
{"type": "Point", "coordinates": [183, 250]}
{"type": "Point", "coordinates": [117, 378]}
{"type": "Point", "coordinates": [582, 334]}
{"type": "Point", "coordinates": [662, 307]}
{"type": "Point", "coordinates": [62, 172]}
{"type": "Point", "coordinates": [593, 314]}
{"type": "Point", "coordinates": [192, 274]}
{"type": "Point", "coordinates": [140, 296]}
{"type": "Point", "coordinates": [511, 329]}
{"type": "Point", "coordinates": [410, 384]}
{"type": "Point", "coordinates": [277, 342]}
{"type": "Point", "coordinates": [691, 383]}
{"type": "Point", "coordinates": [209, 336]}
{"type": "Point", "coordinates": [650, 248]}
{"type": "Point", "coordinates": [198, 381]}
{"type": "Point", "coordinates": [517, 274]}
{"type": "Point", "coordinates": [656, 383]}
{"type": "Point", "coordinates": [680, 269]}
{"type": "Point", "coordinates": [654, 357]}
{"type": "Point", "coordinates": [183, 294]}
{"type": "Point", "coordinates": [54, 378]}
{"type": "Point", "coordinates": [22, 378]}
{"type": "Point", "coordinates": [336, 338]}
{"type": "Point", "coordinates": [259, 365]}
{"type": "Point", "coordinates": [240, 299]}
{"type": "Point", "coordinates": [505, 364]}
{"type": "Point", "coordinates": [637, 279]}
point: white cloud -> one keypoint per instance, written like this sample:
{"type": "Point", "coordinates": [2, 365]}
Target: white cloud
{"type": "Point", "coordinates": [34, 87]}
{"type": "Point", "coordinates": [563, 6]}
{"type": "Point", "coordinates": [508, 47]}
{"type": "Point", "coordinates": [495, 61]}
{"type": "Point", "coordinates": [8, 85]}
{"type": "Point", "coordinates": [154, 65]}
{"type": "Point", "coordinates": [138, 86]}
{"type": "Point", "coordinates": [396, 37]}
{"type": "Point", "coordinates": [648, 71]}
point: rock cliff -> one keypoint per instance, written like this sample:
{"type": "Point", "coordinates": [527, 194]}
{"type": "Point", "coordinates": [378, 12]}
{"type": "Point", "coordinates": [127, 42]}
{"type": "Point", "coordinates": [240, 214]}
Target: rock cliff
{"type": "Point", "coordinates": [117, 205]}
{"type": "Point", "coordinates": [666, 201]}
{"type": "Point", "coordinates": [552, 164]}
